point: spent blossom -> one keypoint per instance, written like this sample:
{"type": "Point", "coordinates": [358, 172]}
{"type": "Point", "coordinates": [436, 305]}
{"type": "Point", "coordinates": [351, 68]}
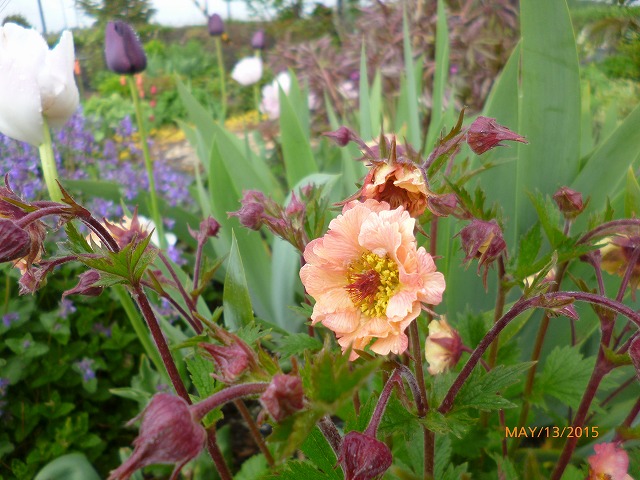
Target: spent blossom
{"type": "Point", "coordinates": [368, 277]}
{"type": "Point", "coordinates": [482, 240]}
{"type": "Point", "coordinates": [36, 84]}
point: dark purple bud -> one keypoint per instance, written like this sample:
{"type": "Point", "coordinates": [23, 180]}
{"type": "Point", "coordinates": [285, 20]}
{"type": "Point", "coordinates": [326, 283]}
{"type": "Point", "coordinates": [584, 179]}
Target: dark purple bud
{"type": "Point", "coordinates": [86, 285]}
{"type": "Point", "coordinates": [634, 353]}
{"type": "Point", "coordinates": [123, 51]}
{"type": "Point", "coordinates": [363, 457]}
{"type": "Point", "coordinates": [251, 215]}
{"type": "Point", "coordinates": [258, 40]}
{"type": "Point", "coordinates": [484, 241]}
{"type": "Point", "coordinates": [569, 202]}
{"type": "Point", "coordinates": [216, 25]}
{"type": "Point", "coordinates": [485, 133]}
{"type": "Point", "coordinates": [209, 227]}
{"type": "Point", "coordinates": [168, 434]}
{"type": "Point", "coordinates": [283, 396]}
{"type": "Point", "coordinates": [341, 136]}
{"type": "Point", "coordinates": [15, 242]}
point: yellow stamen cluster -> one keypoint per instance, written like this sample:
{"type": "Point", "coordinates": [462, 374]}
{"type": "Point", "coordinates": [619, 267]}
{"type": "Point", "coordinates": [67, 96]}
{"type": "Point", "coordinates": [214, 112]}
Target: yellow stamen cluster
{"type": "Point", "coordinates": [372, 282]}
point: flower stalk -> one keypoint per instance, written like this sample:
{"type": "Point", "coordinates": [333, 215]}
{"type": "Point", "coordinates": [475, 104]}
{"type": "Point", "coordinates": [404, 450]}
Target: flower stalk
{"type": "Point", "coordinates": [222, 75]}
{"type": "Point", "coordinates": [48, 161]}
{"type": "Point", "coordinates": [155, 212]}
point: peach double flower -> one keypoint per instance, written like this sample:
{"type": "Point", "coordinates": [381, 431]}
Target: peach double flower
{"type": "Point", "coordinates": [368, 277]}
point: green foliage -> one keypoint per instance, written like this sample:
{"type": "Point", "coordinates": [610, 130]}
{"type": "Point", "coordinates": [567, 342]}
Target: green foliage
{"type": "Point", "coordinates": [135, 12]}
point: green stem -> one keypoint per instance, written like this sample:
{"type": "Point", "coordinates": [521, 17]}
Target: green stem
{"type": "Point", "coordinates": [256, 89]}
{"type": "Point", "coordinates": [48, 162]}
{"type": "Point", "coordinates": [222, 73]}
{"type": "Point", "coordinates": [155, 212]}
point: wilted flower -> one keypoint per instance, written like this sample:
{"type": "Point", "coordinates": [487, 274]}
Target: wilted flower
{"type": "Point", "coordinates": [247, 71]}
{"type": "Point", "coordinates": [616, 255]}
{"type": "Point", "coordinates": [485, 133]}
{"type": "Point", "coordinates": [368, 277]}
{"type": "Point", "coordinates": [137, 228]}
{"type": "Point", "coordinates": [270, 103]}
{"type": "Point", "coordinates": [258, 40]}
{"type": "Point", "coordinates": [15, 243]}
{"type": "Point", "coordinates": [484, 241]}
{"type": "Point", "coordinates": [216, 25]}
{"type": "Point", "coordinates": [610, 462]}
{"type": "Point", "coordinates": [569, 202]}
{"type": "Point", "coordinates": [122, 49]}
{"type": "Point", "coordinates": [363, 457]}
{"type": "Point", "coordinates": [36, 83]}
{"type": "Point", "coordinates": [168, 434]}
{"type": "Point", "coordinates": [283, 396]}
{"type": "Point", "coordinates": [443, 347]}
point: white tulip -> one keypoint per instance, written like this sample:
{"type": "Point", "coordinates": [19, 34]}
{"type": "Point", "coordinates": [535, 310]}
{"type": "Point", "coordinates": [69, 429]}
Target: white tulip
{"type": "Point", "coordinates": [247, 71]}
{"type": "Point", "coordinates": [35, 83]}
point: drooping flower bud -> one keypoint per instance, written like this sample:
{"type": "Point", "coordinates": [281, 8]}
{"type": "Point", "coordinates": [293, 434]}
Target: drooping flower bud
{"type": "Point", "coordinates": [209, 227]}
{"type": "Point", "coordinates": [86, 285]}
{"type": "Point", "coordinates": [123, 51]}
{"type": "Point", "coordinates": [443, 347]}
{"type": "Point", "coordinates": [484, 241]}
{"type": "Point", "coordinates": [616, 256]}
{"type": "Point", "coordinates": [15, 242]}
{"type": "Point", "coordinates": [216, 25]}
{"type": "Point", "coordinates": [168, 434]}
{"type": "Point", "coordinates": [341, 136]}
{"type": "Point", "coordinates": [283, 396]}
{"type": "Point", "coordinates": [258, 41]}
{"type": "Point", "coordinates": [363, 457]}
{"type": "Point", "coordinates": [569, 202]}
{"type": "Point", "coordinates": [485, 133]}
{"type": "Point", "coordinates": [609, 462]}
{"type": "Point", "coordinates": [253, 208]}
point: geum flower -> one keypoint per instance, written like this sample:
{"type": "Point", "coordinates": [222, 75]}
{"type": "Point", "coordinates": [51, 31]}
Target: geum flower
{"type": "Point", "coordinates": [36, 83]}
{"type": "Point", "coordinates": [368, 277]}
{"type": "Point", "coordinates": [617, 255]}
{"type": "Point", "coordinates": [443, 347]}
{"type": "Point", "coordinates": [610, 462]}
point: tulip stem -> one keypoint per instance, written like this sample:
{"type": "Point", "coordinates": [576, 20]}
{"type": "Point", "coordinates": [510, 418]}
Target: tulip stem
{"type": "Point", "coordinates": [155, 212]}
{"type": "Point", "coordinates": [222, 74]}
{"type": "Point", "coordinates": [49, 170]}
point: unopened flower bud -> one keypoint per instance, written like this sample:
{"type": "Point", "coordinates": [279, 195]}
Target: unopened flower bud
{"type": "Point", "coordinates": [363, 457]}
{"type": "Point", "coordinates": [283, 397]}
{"type": "Point", "coordinates": [445, 205]}
{"type": "Point", "coordinates": [484, 241]}
{"type": "Point", "coordinates": [443, 347]}
{"type": "Point", "coordinates": [123, 51]}
{"type": "Point", "coordinates": [485, 133]}
{"type": "Point", "coordinates": [86, 285]}
{"type": "Point", "coordinates": [231, 360]}
{"type": "Point", "coordinates": [258, 40]}
{"type": "Point", "coordinates": [610, 462]}
{"type": "Point", "coordinates": [168, 434]}
{"type": "Point", "coordinates": [216, 25]}
{"type": "Point", "coordinates": [15, 242]}
{"type": "Point", "coordinates": [295, 207]}
{"type": "Point", "coordinates": [252, 212]}
{"type": "Point", "coordinates": [569, 202]}
{"type": "Point", "coordinates": [341, 136]}
{"type": "Point", "coordinates": [209, 227]}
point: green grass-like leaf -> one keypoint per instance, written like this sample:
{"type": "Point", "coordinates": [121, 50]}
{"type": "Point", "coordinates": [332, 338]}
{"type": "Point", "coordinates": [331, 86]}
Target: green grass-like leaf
{"type": "Point", "coordinates": [235, 296]}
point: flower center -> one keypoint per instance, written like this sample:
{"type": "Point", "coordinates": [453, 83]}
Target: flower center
{"type": "Point", "coordinates": [372, 281]}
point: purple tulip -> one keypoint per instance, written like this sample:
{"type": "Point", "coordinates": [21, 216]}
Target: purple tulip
{"type": "Point", "coordinates": [123, 51]}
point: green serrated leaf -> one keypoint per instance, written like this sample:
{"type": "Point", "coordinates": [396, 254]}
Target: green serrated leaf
{"type": "Point", "coordinates": [564, 376]}
{"type": "Point", "coordinates": [298, 343]}
{"type": "Point", "coordinates": [254, 468]}
{"type": "Point", "coordinates": [297, 470]}
{"type": "Point", "coordinates": [318, 450]}
{"type": "Point", "coordinates": [530, 244]}
{"type": "Point", "coordinates": [291, 432]}
{"type": "Point", "coordinates": [481, 391]}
